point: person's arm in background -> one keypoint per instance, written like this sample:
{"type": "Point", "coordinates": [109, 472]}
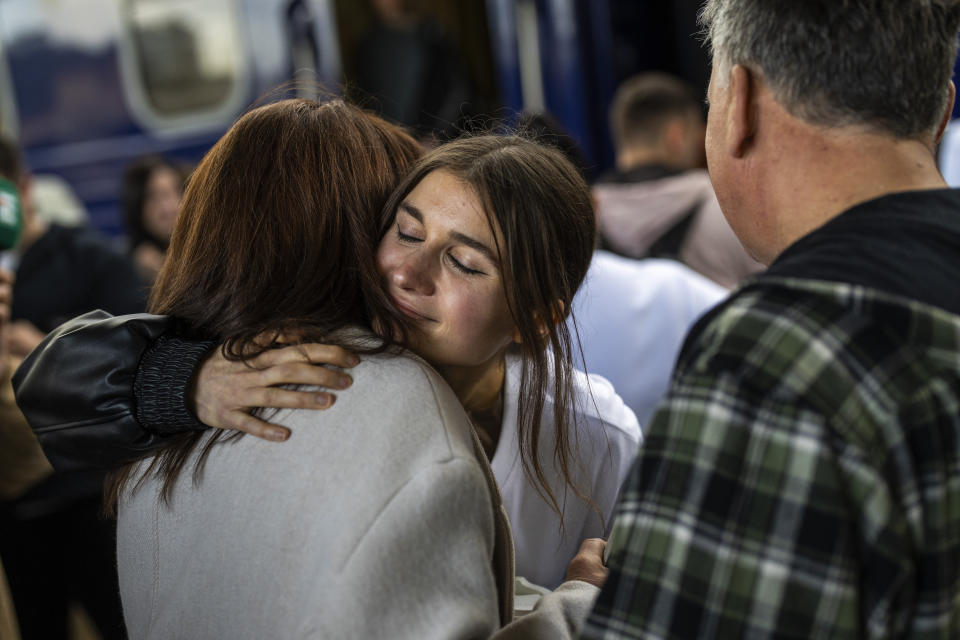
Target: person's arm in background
{"type": "Point", "coordinates": [101, 390]}
{"type": "Point", "coordinates": [22, 463]}
{"type": "Point", "coordinates": [107, 277]}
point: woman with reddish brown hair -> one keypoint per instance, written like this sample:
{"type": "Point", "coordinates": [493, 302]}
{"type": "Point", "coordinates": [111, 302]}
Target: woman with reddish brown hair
{"type": "Point", "coordinates": [383, 519]}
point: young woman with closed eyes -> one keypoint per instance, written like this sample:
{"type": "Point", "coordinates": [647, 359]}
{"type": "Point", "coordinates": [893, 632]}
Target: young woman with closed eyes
{"type": "Point", "coordinates": [475, 253]}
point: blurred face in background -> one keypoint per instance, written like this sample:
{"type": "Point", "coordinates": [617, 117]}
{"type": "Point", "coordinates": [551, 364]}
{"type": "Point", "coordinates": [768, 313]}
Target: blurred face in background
{"type": "Point", "coordinates": [391, 10]}
{"type": "Point", "coordinates": [161, 202]}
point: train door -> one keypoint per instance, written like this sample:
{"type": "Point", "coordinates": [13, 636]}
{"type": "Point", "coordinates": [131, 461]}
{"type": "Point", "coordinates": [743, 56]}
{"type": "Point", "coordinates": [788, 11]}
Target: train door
{"type": "Point", "coordinates": [427, 64]}
{"type": "Point", "coordinates": [554, 56]}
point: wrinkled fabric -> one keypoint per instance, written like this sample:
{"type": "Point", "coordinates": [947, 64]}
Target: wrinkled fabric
{"type": "Point", "coordinates": [75, 390]}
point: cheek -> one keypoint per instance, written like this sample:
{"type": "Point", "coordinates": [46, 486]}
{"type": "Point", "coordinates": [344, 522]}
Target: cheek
{"type": "Point", "coordinates": [486, 317]}
{"type": "Point", "coordinates": [153, 216]}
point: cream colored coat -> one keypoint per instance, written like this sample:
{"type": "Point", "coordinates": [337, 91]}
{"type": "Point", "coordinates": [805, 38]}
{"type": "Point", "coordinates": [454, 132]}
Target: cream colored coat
{"type": "Point", "coordinates": [379, 518]}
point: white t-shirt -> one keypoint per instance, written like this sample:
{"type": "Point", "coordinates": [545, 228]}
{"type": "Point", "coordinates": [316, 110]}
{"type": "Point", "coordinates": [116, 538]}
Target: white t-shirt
{"type": "Point", "coordinates": [633, 316]}
{"type": "Point", "coordinates": [609, 437]}
{"type": "Point", "coordinates": [950, 154]}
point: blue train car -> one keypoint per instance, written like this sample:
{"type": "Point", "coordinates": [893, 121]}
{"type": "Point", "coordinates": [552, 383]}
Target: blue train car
{"type": "Point", "coordinates": [87, 86]}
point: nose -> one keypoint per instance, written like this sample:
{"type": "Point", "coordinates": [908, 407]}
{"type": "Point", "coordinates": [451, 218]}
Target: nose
{"type": "Point", "coordinates": [413, 274]}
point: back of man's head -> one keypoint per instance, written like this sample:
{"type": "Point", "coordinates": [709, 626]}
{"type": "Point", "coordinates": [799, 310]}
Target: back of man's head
{"type": "Point", "coordinates": [884, 64]}
{"type": "Point", "coordinates": [645, 103]}
{"type": "Point", "coordinates": [11, 162]}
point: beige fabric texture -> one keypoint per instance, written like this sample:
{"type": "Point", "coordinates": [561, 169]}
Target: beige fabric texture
{"type": "Point", "coordinates": [377, 519]}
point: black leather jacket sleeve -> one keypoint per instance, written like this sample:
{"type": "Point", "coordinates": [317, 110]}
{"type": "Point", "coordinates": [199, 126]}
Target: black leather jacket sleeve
{"type": "Point", "coordinates": [102, 390]}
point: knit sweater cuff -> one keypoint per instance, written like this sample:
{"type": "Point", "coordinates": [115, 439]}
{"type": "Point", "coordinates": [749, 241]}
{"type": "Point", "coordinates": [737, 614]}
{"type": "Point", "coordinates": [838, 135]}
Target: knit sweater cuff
{"type": "Point", "coordinates": [162, 380]}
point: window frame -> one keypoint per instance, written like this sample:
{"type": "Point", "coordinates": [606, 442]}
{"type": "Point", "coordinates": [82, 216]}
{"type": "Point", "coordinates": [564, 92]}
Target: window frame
{"type": "Point", "coordinates": [143, 110]}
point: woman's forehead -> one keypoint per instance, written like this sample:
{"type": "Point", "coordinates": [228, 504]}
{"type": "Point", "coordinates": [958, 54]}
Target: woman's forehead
{"type": "Point", "coordinates": [442, 194]}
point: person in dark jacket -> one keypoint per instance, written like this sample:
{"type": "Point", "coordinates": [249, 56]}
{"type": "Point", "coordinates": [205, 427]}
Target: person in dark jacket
{"type": "Point", "coordinates": [55, 548]}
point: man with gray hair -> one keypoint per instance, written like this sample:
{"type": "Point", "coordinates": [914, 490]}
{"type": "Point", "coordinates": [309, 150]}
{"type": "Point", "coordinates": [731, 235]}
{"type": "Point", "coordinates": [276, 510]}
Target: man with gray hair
{"type": "Point", "coordinates": [802, 478]}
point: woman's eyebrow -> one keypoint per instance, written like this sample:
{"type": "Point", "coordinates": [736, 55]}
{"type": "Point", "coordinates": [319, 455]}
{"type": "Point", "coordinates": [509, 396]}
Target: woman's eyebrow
{"type": "Point", "coordinates": [473, 243]}
{"type": "Point", "coordinates": [462, 238]}
{"type": "Point", "coordinates": [411, 211]}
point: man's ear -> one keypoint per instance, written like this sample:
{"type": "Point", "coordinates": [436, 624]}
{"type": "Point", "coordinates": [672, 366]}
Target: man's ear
{"type": "Point", "coordinates": [947, 114]}
{"type": "Point", "coordinates": [741, 116]}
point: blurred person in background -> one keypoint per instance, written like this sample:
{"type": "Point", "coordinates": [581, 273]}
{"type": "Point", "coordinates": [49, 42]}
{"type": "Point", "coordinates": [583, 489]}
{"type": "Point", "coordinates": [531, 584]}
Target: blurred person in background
{"type": "Point", "coordinates": [54, 546]}
{"type": "Point", "coordinates": [60, 271]}
{"type": "Point", "coordinates": [151, 193]}
{"type": "Point", "coordinates": [413, 71]}
{"type": "Point", "coordinates": [658, 201]}
{"type": "Point", "coordinates": [632, 315]}
{"type": "Point", "coordinates": [22, 462]}
{"type": "Point", "coordinates": [546, 129]}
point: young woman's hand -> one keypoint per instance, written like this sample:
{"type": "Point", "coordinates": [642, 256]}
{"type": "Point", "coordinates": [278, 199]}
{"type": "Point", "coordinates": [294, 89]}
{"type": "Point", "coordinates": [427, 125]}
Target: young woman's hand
{"type": "Point", "coordinates": [224, 391]}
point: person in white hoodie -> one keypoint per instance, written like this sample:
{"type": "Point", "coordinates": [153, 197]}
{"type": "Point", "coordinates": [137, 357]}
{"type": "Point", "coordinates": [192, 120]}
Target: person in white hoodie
{"type": "Point", "coordinates": [658, 201]}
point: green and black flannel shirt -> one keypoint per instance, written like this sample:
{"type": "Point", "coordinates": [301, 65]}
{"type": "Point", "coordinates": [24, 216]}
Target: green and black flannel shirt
{"type": "Point", "coordinates": [802, 477]}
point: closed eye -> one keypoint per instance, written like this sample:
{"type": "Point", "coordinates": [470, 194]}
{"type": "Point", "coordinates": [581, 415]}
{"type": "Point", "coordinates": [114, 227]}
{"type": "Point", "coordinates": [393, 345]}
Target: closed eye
{"type": "Point", "coordinates": [459, 266]}
{"type": "Point", "coordinates": [403, 237]}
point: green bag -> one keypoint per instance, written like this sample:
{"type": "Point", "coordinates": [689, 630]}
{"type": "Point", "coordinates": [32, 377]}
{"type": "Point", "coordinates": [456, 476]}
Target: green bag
{"type": "Point", "coordinates": [11, 215]}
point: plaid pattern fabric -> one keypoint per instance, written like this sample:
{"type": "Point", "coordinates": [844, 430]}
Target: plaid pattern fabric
{"type": "Point", "coordinates": [802, 478]}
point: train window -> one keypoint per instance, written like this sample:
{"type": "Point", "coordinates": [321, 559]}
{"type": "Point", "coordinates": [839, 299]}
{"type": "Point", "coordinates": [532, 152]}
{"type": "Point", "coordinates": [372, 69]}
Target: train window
{"type": "Point", "coordinates": [187, 57]}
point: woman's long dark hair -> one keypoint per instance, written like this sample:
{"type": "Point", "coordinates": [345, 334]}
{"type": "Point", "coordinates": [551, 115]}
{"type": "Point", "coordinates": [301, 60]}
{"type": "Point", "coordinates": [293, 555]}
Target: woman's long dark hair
{"type": "Point", "coordinates": [541, 206]}
{"type": "Point", "coordinates": [277, 232]}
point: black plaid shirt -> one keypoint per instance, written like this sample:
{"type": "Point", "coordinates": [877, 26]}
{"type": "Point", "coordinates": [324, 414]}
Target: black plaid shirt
{"type": "Point", "coordinates": [802, 478]}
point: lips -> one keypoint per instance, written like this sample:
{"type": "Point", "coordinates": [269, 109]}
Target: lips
{"type": "Point", "coordinates": [408, 310]}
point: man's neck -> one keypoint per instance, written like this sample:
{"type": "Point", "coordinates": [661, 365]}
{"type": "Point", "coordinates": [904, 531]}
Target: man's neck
{"type": "Point", "coordinates": [637, 157]}
{"type": "Point", "coordinates": [818, 177]}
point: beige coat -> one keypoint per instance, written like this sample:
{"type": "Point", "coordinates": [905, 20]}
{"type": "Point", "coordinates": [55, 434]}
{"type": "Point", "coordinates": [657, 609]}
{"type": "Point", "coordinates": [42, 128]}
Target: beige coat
{"type": "Point", "coordinates": [377, 519]}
